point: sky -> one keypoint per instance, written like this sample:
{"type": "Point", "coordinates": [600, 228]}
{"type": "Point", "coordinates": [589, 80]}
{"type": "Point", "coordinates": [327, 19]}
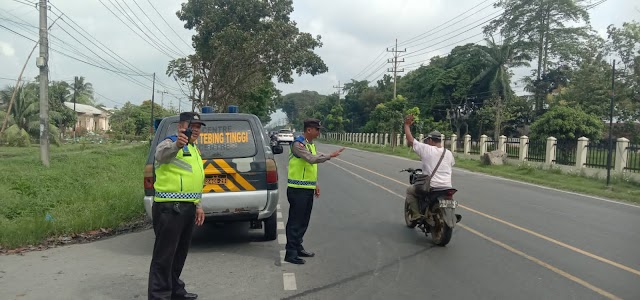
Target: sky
{"type": "Point", "coordinates": [356, 35]}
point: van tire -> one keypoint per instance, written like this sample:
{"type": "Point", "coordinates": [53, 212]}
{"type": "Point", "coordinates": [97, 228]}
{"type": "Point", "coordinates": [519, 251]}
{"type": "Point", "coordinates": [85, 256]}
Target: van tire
{"type": "Point", "coordinates": [271, 227]}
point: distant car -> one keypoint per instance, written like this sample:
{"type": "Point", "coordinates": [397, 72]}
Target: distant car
{"type": "Point", "coordinates": [285, 136]}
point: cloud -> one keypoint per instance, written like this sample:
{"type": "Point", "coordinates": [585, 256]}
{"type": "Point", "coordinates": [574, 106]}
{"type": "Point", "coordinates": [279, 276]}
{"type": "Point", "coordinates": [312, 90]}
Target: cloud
{"type": "Point", "coordinates": [6, 49]}
{"type": "Point", "coordinates": [354, 33]}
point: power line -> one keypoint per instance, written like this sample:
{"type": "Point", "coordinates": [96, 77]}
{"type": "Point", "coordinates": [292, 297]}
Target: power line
{"type": "Point", "coordinates": [117, 57]}
{"type": "Point", "coordinates": [368, 66]}
{"type": "Point", "coordinates": [449, 37]}
{"type": "Point", "coordinates": [165, 21]}
{"type": "Point", "coordinates": [427, 33]}
{"type": "Point", "coordinates": [26, 3]}
{"type": "Point", "coordinates": [126, 15]}
{"type": "Point", "coordinates": [156, 26]}
{"type": "Point", "coordinates": [157, 40]}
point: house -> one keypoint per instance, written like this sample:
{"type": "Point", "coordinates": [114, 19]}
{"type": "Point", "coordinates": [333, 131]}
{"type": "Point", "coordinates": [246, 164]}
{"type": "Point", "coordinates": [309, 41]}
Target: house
{"type": "Point", "coordinates": [91, 118]}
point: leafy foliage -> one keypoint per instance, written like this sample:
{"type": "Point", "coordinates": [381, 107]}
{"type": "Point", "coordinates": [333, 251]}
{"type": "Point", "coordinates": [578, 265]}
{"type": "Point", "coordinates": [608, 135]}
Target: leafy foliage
{"type": "Point", "coordinates": [568, 124]}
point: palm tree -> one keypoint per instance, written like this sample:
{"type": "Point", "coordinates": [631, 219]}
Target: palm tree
{"type": "Point", "coordinates": [25, 111]}
{"type": "Point", "coordinates": [82, 91]}
{"type": "Point", "coordinates": [498, 59]}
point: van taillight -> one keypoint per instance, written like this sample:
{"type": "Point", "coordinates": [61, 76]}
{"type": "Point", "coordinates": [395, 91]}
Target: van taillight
{"type": "Point", "coordinates": [272, 171]}
{"type": "Point", "coordinates": [148, 177]}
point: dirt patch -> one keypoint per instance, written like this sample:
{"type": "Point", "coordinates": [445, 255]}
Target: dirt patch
{"type": "Point", "coordinates": [81, 238]}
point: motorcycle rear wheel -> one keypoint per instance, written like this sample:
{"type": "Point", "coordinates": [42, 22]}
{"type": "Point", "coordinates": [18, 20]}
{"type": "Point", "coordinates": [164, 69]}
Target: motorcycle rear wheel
{"type": "Point", "coordinates": [441, 233]}
{"type": "Point", "coordinates": [407, 215]}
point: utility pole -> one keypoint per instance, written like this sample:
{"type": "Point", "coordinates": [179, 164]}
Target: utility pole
{"type": "Point", "coordinates": [395, 62]}
{"type": "Point", "coordinates": [42, 63]}
{"type": "Point", "coordinates": [162, 97]}
{"type": "Point", "coordinates": [153, 95]}
{"type": "Point", "coordinates": [75, 86]}
{"type": "Point", "coordinates": [339, 88]}
{"type": "Point", "coordinates": [610, 152]}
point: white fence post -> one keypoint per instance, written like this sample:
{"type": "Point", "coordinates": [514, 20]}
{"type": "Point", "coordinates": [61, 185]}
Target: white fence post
{"type": "Point", "coordinates": [550, 150]}
{"type": "Point", "coordinates": [502, 143]}
{"type": "Point", "coordinates": [467, 144]}
{"type": "Point", "coordinates": [622, 152]}
{"type": "Point", "coordinates": [454, 141]}
{"type": "Point", "coordinates": [581, 152]}
{"type": "Point", "coordinates": [483, 144]}
{"type": "Point", "coordinates": [524, 148]}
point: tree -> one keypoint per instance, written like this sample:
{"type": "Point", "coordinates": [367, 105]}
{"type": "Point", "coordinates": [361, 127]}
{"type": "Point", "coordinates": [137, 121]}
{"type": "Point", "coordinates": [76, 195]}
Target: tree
{"type": "Point", "coordinates": [541, 28]}
{"type": "Point", "coordinates": [625, 42]}
{"type": "Point", "coordinates": [25, 114]}
{"type": "Point", "coordinates": [567, 124]}
{"type": "Point", "coordinates": [82, 91]}
{"type": "Point", "coordinates": [239, 43]}
{"type": "Point", "coordinates": [498, 59]}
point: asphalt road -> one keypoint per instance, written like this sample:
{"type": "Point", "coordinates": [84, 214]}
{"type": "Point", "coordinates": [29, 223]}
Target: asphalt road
{"type": "Point", "coordinates": [515, 241]}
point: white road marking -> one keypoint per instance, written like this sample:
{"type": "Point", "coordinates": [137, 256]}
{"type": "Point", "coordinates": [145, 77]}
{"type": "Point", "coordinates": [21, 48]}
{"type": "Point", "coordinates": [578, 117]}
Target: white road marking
{"type": "Point", "coordinates": [289, 280]}
{"type": "Point", "coordinates": [278, 206]}
{"type": "Point", "coordinates": [279, 214]}
{"type": "Point", "coordinates": [280, 225]}
{"type": "Point", "coordinates": [282, 239]}
{"type": "Point", "coordinates": [282, 254]}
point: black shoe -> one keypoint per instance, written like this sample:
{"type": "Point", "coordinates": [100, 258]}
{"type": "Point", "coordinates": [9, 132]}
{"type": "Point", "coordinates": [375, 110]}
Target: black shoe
{"type": "Point", "coordinates": [190, 296]}
{"type": "Point", "coordinates": [294, 260]}
{"type": "Point", "coordinates": [305, 253]}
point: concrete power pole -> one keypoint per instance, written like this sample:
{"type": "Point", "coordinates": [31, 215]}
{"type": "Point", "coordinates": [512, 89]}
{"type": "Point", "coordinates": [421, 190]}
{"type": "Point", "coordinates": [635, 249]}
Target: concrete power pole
{"type": "Point", "coordinates": [42, 63]}
{"type": "Point", "coordinates": [339, 88]}
{"type": "Point", "coordinates": [395, 62]}
{"type": "Point", "coordinates": [162, 97]}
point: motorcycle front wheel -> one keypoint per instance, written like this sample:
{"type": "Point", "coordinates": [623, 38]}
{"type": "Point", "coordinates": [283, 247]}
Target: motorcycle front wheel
{"type": "Point", "coordinates": [407, 215]}
{"type": "Point", "coordinates": [440, 233]}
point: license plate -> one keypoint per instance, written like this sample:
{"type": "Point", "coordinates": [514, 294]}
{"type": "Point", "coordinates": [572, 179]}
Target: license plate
{"type": "Point", "coordinates": [449, 203]}
{"type": "Point", "coordinates": [216, 179]}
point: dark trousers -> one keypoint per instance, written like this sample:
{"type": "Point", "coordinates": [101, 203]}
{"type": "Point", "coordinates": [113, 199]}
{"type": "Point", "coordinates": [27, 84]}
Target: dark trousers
{"type": "Point", "coordinates": [300, 205]}
{"type": "Point", "coordinates": [173, 237]}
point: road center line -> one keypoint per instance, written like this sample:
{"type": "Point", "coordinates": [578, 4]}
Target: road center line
{"type": "Point", "coordinates": [543, 264]}
{"type": "Point", "coordinates": [544, 237]}
{"type": "Point", "coordinates": [505, 246]}
{"type": "Point", "coordinates": [289, 280]}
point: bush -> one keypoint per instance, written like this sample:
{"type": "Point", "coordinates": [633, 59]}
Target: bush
{"type": "Point", "coordinates": [16, 137]}
{"type": "Point", "coordinates": [567, 124]}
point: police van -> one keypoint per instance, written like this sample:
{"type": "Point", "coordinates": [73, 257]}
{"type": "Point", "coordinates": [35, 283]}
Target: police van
{"type": "Point", "coordinates": [241, 177]}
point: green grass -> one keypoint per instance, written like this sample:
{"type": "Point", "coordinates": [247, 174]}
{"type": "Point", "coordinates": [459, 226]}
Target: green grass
{"type": "Point", "coordinates": [621, 188]}
{"type": "Point", "coordinates": [86, 187]}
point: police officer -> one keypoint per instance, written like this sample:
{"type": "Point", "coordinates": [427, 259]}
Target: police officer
{"type": "Point", "coordinates": [302, 186]}
{"type": "Point", "coordinates": [176, 208]}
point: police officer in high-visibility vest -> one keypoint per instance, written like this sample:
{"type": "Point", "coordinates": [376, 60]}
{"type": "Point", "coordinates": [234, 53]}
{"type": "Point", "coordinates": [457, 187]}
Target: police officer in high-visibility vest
{"type": "Point", "coordinates": [302, 186]}
{"type": "Point", "coordinates": [176, 208]}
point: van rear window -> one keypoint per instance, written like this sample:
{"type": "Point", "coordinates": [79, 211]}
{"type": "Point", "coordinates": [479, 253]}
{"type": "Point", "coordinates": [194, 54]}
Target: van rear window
{"type": "Point", "coordinates": [224, 139]}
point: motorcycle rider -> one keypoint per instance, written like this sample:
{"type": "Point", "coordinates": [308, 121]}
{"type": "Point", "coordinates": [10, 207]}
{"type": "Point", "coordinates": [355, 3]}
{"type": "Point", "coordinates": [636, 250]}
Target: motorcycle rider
{"type": "Point", "coordinates": [430, 152]}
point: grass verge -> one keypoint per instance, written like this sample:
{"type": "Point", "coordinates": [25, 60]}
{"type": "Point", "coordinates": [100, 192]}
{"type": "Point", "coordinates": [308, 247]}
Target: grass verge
{"type": "Point", "coordinates": [622, 188]}
{"type": "Point", "coordinates": [86, 187]}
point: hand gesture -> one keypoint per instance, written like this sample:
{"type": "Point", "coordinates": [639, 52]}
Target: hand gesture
{"type": "Point", "coordinates": [182, 138]}
{"type": "Point", "coordinates": [408, 120]}
{"type": "Point", "coordinates": [337, 152]}
{"type": "Point", "coordinates": [317, 192]}
{"type": "Point", "coordinates": [199, 216]}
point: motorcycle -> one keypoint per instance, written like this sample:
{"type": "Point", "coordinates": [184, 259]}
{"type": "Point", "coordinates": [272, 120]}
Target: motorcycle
{"type": "Point", "coordinates": [438, 207]}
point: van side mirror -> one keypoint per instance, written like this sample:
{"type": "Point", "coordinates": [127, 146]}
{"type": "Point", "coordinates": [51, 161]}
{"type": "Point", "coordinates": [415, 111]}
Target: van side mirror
{"type": "Point", "coordinates": [277, 149]}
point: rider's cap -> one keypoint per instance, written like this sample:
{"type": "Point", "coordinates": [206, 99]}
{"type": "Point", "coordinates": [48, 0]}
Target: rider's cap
{"type": "Point", "coordinates": [435, 135]}
{"type": "Point", "coordinates": [191, 116]}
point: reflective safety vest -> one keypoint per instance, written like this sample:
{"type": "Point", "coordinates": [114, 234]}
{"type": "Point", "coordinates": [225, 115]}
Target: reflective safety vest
{"type": "Point", "coordinates": [302, 174]}
{"type": "Point", "coordinates": [181, 179]}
